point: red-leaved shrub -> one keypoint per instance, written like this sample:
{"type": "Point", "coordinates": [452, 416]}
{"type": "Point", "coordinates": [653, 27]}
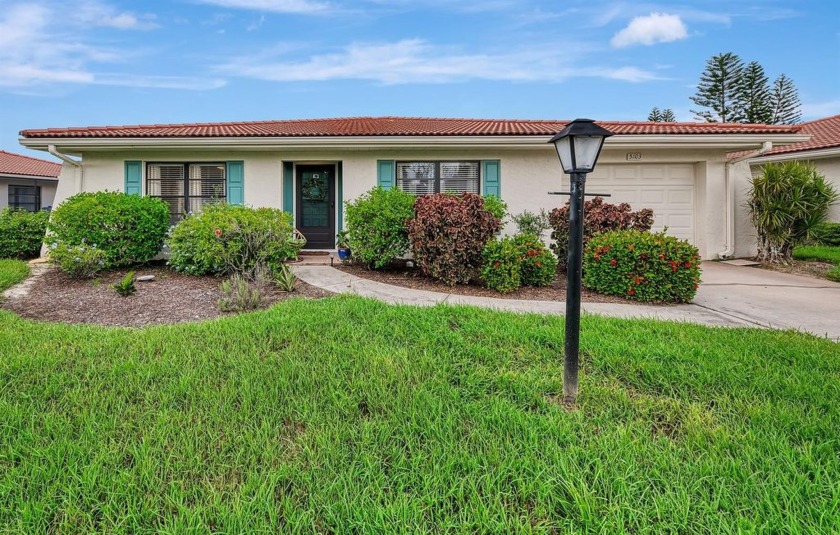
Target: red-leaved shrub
{"type": "Point", "coordinates": [598, 217]}
{"type": "Point", "coordinates": [448, 234]}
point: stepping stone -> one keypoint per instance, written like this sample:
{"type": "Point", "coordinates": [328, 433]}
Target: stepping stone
{"type": "Point", "coordinates": [145, 278]}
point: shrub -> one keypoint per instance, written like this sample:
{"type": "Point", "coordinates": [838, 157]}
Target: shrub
{"type": "Point", "coordinates": [785, 202]}
{"type": "Point", "coordinates": [826, 234]}
{"type": "Point", "coordinates": [531, 222]}
{"type": "Point", "coordinates": [538, 266]}
{"type": "Point", "coordinates": [598, 217]}
{"type": "Point", "coordinates": [240, 294]}
{"type": "Point", "coordinates": [21, 233]}
{"type": "Point", "coordinates": [225, 239]}
{"type": "Point", "coordinates": [128, 229]}
{"type": "Point", "coordinates": [448, 234]}
{"type": "Point", "coordinates": [77, 261]}
{"type": "Point", "coordinates": [376, 228]}
{"type": "Point", "coordinates": [126, 286]}
{"type": "Point", "coordinates": [642, 266]}
{"type": "Point", "coordinates": [286, 279]}
{"type": "Point", "coordinates": [502, 265]}
{"type": "Point", "coordinates": [496, 206]}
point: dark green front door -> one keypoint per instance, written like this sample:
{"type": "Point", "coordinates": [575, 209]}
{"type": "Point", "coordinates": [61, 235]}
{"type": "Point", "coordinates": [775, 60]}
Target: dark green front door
{"type": "Point", "coordinates": [316, 205]}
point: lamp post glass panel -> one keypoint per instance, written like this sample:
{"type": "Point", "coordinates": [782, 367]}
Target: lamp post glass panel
{"type": "Point", "coordinates": [578, 147]}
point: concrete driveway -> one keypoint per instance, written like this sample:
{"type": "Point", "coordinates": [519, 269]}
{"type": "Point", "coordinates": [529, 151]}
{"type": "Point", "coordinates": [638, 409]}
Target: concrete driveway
{"type": "Point", "coordinates": [770, 299]}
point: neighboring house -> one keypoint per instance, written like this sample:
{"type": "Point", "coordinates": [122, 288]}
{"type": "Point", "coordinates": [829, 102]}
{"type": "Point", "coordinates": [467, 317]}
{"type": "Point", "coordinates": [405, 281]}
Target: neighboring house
{"type": "Point", "coordinates": [311, 167]}
{"type": "Point", "coordinates": [27, 183]}
{"type": "Point", "coordinates": [822, 149]}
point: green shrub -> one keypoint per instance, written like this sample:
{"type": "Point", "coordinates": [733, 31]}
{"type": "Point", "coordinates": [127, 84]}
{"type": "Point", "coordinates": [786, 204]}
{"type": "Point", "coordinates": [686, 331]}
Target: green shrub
{"type": "Point", "coordinates": [21, 233]}
{"type": "Point", "coordinates": [448, 234]}
{"type": "Point", "coordinates": [496, 206]}
{"type": "Point", "coordinates": [786, 201]}
{"type": "Point", "coordinates": [538, 266]}
{"type": "Point", "coordinates": [826, 234]}
{"type": "Point", "coordinates": [598, 217]}
{"type": "Point", "coordinates": [532, 222]}
{"type": "Point", "coordinates": [226, 239]}
{"type": "Point", "coordinates": [376, 226]}
{"type": "Point", "coordinates": [78, 261]}
{"type": "Point", "coordinates": [240, 294]}
{"type": "Point", "coordinates": [502, 265]}
{"type": "Point", "coordinates": [128, 229]}
{"type": "Point", "coordinates": [642, 266]}
{"type": "Point", "coordinates": [126, 287]}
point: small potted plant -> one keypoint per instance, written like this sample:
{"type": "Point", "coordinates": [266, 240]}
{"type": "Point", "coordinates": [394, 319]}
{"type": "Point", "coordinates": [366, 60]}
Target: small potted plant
{"type": "Point", "coordinates": [342, 245]}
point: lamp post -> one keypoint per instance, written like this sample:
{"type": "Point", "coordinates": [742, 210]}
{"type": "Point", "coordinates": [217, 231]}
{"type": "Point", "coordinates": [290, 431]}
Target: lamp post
{"type": "Point", "coordinates": [578, 147]}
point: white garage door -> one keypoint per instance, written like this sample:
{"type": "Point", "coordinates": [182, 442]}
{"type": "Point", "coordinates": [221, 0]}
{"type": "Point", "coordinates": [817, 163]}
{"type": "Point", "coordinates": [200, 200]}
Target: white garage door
{"type": "Point", "coordinates": [668, 189]}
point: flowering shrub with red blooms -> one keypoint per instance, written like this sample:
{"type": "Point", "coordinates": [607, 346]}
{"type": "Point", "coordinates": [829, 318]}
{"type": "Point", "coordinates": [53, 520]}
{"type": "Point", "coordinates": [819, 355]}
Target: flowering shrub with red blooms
{"type": "Point", "coordinates": [448, 234]}
{"type": "Point", "coordinates": [641, 265]}
{"type": "Point", "coordinates": [598, 217]}
{"type": "Point", "coordinates": [522, 260]}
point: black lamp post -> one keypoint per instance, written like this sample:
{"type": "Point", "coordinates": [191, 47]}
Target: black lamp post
{"type": "Point", "coordinates": [578, 146]}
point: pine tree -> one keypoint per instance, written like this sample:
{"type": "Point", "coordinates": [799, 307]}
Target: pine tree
{"type": "Point", "coordinates": [655, 115]}
{"type": "Point", "coordinates": [719, 88]}
{"type": "Point", "coordinates": [784, 102]}
{"type": "Point", "coordinates": [754, 95]}
{"type": "Point", "coordinates": [668, 116]}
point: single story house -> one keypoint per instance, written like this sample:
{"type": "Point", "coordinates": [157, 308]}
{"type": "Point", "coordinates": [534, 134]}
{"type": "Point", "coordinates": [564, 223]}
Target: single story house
{"type": "Point", "coordinates": [27, 183]}
{"type": "Point", "coordinates": [311, 167]}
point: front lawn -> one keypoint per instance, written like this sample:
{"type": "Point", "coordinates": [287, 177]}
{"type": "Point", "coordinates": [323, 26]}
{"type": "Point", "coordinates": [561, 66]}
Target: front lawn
{"type": "Point", "coordinates": [821, 253]}
{"type": "Point", "coordinates": [346, 415]}
{"type": "Point", "coordinates": [11, 272]}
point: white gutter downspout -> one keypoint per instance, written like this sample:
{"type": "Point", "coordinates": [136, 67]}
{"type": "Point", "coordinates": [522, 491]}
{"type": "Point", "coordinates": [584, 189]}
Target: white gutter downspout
{"type": "Point", "coordinates": [730, 198]}
{"type": "Point", "coordinates": [75, 163]}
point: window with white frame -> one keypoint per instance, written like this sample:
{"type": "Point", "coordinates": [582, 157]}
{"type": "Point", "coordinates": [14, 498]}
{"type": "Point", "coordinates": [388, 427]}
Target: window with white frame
{"type": "Point", "coordinates": [423, 178]}
{"type": "Point", "coordinates": [25, 197]}
{"type": "Point", "coordinates": [186, 187]}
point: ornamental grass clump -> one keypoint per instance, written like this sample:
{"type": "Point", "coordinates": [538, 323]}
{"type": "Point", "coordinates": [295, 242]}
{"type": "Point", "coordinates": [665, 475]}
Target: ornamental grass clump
{"type": "Point", "coordinates": [376, 226]}
{"type": "Point", "coordinates": [599, 216]}
{"type": "Point", "coordinates": [642, 266]}
{"type": "Point", "coordinates": [128, 229]}
{"type": "Point", "coordinates": [448, 234]}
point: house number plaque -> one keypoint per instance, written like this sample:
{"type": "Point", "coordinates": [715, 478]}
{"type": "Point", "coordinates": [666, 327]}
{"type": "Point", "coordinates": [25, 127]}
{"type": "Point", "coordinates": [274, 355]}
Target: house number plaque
{"type": "Point", "coordinates": [634, 156]}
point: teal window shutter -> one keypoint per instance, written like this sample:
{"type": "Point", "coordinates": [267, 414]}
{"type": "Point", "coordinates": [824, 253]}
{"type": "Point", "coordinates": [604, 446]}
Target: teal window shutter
{"type": "Point", "coordinates": [235, 182]}
{"type": "Point", "coordinates": [385, 173]}
{"type": "Point", "coordinates": [288, 187]}
{"type": "Point", "coordinates": [133, 177]}
{"type": "Point", "coordinates": [491, 177]}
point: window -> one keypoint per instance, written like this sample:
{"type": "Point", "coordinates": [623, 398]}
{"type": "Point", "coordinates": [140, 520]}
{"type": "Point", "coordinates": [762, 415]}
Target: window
{"type": "Point", "coordinates": [186, 187]}
{"type": "Point", "coordinates": [423, 178]}
{"type": "Point", "coordinates": [25, 197]}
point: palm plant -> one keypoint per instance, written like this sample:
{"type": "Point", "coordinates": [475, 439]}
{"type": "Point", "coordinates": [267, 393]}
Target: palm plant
{"type": "Point", "coordinates": [786, 202]}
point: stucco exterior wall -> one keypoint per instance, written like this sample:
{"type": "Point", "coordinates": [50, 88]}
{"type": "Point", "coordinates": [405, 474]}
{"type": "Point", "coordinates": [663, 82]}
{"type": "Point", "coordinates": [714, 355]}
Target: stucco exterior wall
{"type": "Point", "coordinates": [527, 175]}
{"type": "Point", "coordinates": [48, 188]}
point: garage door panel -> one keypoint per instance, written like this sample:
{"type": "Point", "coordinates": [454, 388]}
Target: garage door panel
{"type": "Point", "coordinates": [666, 189]}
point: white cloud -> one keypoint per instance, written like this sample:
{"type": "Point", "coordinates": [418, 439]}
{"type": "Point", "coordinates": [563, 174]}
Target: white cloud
{"type": "Point", "coordinates": [416, 61]}
{"type": "Point", "coordinates": [274, 6]}
{"type": "Point", "coordinates": [46, 45]}
{"type": "Point", "coordinates": [651, 29]}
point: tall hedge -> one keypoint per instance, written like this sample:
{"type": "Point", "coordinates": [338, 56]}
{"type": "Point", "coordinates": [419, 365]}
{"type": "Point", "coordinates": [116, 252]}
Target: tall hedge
{"type": "Point", "coordinates": [21, 233]}
{"type": "Point", "coordinates": [129, 229]}
{"type": "Point", "coordinates": [376, 225]}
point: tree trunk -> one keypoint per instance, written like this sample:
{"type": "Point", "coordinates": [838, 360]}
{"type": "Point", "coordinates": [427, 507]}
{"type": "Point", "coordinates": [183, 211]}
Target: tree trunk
{"type": "Point", "coordinates": [773, 252]}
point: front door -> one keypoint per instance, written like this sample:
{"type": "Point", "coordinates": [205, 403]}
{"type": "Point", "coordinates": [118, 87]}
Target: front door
{"type": "Point", "coordinates": [316, 205]}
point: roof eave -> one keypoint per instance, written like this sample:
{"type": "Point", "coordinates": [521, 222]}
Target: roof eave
{"type": "Point", "coordinates": [711, 141]}
{"type": "Point", "coordinates": [813, 154]}
{"type": "Point", "coordinates": [18, 176]}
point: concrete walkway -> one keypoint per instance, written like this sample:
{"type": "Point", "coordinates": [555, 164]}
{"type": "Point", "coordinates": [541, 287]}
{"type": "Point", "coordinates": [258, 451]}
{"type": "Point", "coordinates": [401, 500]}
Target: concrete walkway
{"type": "Point", "coordinates": [730, 296]}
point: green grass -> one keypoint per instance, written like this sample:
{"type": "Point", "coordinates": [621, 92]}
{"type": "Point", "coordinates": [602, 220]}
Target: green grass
{"type": "Point", "coordinates": [12, 272]}
{"type": "Point", "coordinates": [822, 253]}
{"type": "Point", "coordinates": [350, 416]}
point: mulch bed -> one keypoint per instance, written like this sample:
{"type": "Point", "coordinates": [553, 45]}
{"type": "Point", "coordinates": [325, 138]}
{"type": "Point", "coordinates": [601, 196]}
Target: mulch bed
{"type": "Point", "coordinates": [170, 298]}
{"type": "Point", "coordinates": [805, 268]}
{"type": "Point", "coordinates": [399, 275]}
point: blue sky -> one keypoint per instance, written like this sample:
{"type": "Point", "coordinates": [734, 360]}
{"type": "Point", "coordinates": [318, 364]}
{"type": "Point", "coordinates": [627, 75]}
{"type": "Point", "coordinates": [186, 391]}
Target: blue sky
{"type": "Point", "coordinates": [106, 62]}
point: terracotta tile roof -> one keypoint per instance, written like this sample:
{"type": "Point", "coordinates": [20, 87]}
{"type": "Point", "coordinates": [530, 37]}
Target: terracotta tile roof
{"type": "Point", "coordinates": [825, 134]}
{"type": "Point", "coordinates": [18, 164]}
{"type": "Point", "coordinates": [390, 126]}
